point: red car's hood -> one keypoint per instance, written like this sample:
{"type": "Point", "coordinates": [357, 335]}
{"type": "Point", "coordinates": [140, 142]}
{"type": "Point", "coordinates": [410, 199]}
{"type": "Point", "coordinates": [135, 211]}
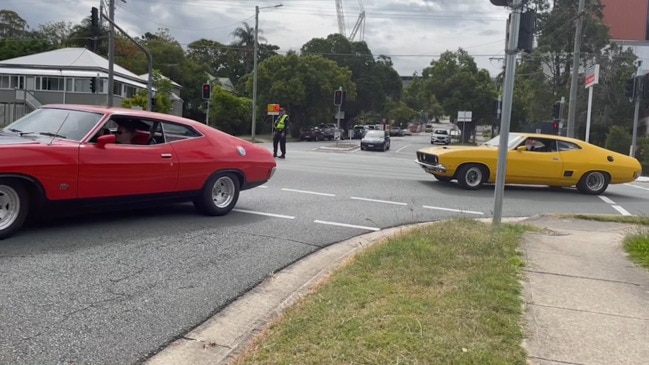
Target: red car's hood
{"type": "Point", "coordinates": [14, 139]}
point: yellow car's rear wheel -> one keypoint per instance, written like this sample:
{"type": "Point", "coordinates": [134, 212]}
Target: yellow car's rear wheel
{"type": "Point", "coordinates": [593, 183]}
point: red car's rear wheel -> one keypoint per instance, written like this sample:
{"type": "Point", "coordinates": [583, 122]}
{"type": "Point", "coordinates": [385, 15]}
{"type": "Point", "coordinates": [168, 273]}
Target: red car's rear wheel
{"type": "Point", "coordinates": [14, 206]}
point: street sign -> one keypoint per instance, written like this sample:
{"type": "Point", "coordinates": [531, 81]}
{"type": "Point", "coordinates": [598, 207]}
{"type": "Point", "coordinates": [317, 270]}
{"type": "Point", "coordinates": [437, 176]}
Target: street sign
{"type": "Point", "coordinates": [592, 76]}
{"type": "Point", "coordinates": [273, 109]}
{"type": "Point", "coordinates": [340, 115]}
{"type": "Point", "coordinates": [464, 116]}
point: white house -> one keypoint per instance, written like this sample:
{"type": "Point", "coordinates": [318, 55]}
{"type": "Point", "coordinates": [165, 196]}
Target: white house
{"type": "Point", "coordinates": [64, 76]}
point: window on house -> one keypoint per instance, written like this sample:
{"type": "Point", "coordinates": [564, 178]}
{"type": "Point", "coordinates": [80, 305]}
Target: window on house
{"type": "Point", "coordinates": [82, 85]}
{"type": "Point", "coordinates": [117, 88]}
{"type": "Point", "coordinates": [130, 91]}
{"type": "Point", "coordinates": [50, 83]}
{"type": "Point", "coordinates": [12, 82]}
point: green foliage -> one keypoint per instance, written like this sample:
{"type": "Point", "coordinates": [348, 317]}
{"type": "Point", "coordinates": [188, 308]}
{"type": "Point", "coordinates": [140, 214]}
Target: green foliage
{"type": "Point", "coordinates": [618, 140]}
{"type": "Point", "coordinates": [304, 85]}
{"type": "Point", "coordinates": [162, 95]}
{"type": "Point", "coordinates": [642, 153]}
{"type": "Point", "coordinates": [457, 83]}
{"type": "Point", "coordinates": [229, 112]}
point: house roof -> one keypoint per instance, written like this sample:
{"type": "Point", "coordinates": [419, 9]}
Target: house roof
{"type": "Point", "coordinates": [146, 78]}
{"type": "Point", "coordinates": [69, 58]}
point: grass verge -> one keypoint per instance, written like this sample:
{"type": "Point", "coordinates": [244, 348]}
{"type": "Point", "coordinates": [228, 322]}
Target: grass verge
{"type": "Point", "coordinates": [445, 294]}
{"type": "Point", "coordinates": [635, 244]}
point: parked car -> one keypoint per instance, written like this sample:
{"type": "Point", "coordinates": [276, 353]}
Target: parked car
{"type": "Point", "coordinates": [537, 159]}
{"type": "Point", "coordinates": [428, 128]}
{"type": "Point", "coordinates": [329, 131]}
{"type": "Point", "coordinates": [67, 156]}
{"type": "Point", "coordinates": [376, 140]}
{"type": "Point", "coordinates": [359, 131]}
{"type": "Point", "coordinates": [396, 131]}
{"type": "Point", "coordinates": [440, 136]}
{"type": "Point", "coordinates": [312, 134]}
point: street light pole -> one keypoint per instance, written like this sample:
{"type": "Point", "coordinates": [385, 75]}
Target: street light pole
{"type": "Point", "coordinates": [254, 70]}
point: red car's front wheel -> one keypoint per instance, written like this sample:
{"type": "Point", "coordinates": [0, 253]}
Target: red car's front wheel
{"type": "Point", "coordinates": [219, 195]}
{"type": "Point", "coordinates": [14, 206]}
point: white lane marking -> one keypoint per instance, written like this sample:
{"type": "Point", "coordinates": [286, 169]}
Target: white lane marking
{"type": "Point", "coordinates": [637, 187]}
{"type": "Point", "coordinates": [263, 186]}
{"type": "Point", "coordinates": [308, 192]}
{"type": "Point", "coordinates": [621, 210]}
{"type": "Point", "coordinates": [606, 199]}
{"type": "Point", "coordinates": [454, 210]}
{"type": "Point", "coordinates": [614, 205]}
{"type": "Point", "coordinates": [347, 225]}
{"type": "Point", "coordinates": [403, 148]}
{"type": "Point", "coordinates": [262, 213]}
{"type": "Point", "coordinates": [378, 201]}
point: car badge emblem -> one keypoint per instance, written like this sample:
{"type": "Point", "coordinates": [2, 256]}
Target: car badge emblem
{"type": "Point", "coordinates": [241, 150]}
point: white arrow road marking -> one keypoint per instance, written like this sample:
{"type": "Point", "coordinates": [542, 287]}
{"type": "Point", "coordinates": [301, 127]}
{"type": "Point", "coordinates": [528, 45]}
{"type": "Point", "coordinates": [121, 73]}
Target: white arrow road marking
{"type": "Point", "coordinates": [347, 225]}
{"type": "Point", "coordinates": [308, 192]}
{"type": "Point", "coordinates": [378, 201]}
{"type": "Point", "coordinates": [454, 210]}
{"type": "Point", "coordinates": [262, 213]}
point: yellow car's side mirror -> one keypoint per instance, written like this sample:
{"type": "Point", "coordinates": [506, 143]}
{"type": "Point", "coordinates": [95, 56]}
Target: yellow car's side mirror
{"type": "Point", "coordinates": [521, 148]}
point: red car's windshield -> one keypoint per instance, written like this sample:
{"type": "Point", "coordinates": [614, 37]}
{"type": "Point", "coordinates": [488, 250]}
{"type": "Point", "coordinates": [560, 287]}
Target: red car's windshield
{"type": "Point", "coordinates": [62, 123]}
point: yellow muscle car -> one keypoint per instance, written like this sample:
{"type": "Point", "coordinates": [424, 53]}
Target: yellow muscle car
{"type": "Point", "coordinates": [533, 159]}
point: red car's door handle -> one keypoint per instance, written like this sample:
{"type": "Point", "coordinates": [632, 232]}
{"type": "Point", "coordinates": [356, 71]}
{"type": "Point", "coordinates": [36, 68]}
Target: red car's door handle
{"type": "Point", "coordinates": [165, 155]}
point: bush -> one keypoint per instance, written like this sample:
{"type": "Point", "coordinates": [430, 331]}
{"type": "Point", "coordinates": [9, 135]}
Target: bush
{"type": "Point", "coordinates": [618, 140]}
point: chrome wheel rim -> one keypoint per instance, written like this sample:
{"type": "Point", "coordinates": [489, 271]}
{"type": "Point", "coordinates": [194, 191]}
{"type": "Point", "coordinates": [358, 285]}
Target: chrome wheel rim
{"type": "Point", "coordinates": [9, 206]}
{"type": "Point", "coordinates": [223, 192]}
{"type": "Point", "coordinates": [595, 181]}
{"type": "Point", "coordinates": [474, 177]}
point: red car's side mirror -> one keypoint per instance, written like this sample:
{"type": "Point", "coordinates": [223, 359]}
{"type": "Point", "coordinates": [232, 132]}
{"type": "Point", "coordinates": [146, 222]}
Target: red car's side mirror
{"type": "Point", "coordinates": [102, 141]}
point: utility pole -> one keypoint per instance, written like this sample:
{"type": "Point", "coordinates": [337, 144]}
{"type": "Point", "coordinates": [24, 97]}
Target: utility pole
{"type": "Point", "coordinates": [111, 52]}
{"type": "Point", "coordinates": [572, 103]}
{"type": "Point", "coordinates": [508, 95]}
{"type": "Point", "coordinates": [638, 96]}
{"type": "Point", "coordinates": [254, 76]}
{"type": "Point", "coordinates": [254, 70]}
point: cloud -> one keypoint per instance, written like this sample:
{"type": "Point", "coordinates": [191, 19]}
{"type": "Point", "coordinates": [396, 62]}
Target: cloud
{"type": "Point", "coordinates": [411, 32]}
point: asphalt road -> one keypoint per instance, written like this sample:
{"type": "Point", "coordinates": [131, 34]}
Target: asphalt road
{"type": "Point", "coordinates": [115, 288]}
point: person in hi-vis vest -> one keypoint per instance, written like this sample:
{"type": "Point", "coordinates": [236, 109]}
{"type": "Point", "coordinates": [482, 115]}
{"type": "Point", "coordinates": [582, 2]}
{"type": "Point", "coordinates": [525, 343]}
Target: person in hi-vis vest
{"type": "Point", "coordinates": [279, 133]}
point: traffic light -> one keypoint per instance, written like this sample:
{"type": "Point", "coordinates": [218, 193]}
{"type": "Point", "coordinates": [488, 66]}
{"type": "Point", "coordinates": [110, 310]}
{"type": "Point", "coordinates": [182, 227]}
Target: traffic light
{"type": "Point", "coordinates": [629, 88]}
{"type": "Point", "coordinates": [555, 126]}
{"type": "Point", "coordinates": [556, 111]}
{"type": "Point", "coordinates": [501, 2]}
{"type": "Point", "coordinates": [93, 85]}
{"type": "Point", "coordinates": [645, 87]}
{"type": "Point", "coordinates": [339, 97]}
{"type": "Point", "coordinates": [207, 91]}
{"type": "Point", "coordinates": [94, 18]}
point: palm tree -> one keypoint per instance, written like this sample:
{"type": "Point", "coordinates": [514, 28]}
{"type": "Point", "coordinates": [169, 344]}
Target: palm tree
{"type": "Point", "coordinates": [246, 39]}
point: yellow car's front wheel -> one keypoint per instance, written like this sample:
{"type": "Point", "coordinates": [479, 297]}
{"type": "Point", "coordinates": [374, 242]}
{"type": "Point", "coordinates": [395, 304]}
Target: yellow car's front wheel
{"type": "Point", "coordinates": [472, 176]}
{"type": "Point", "coordinates": [593, 182]}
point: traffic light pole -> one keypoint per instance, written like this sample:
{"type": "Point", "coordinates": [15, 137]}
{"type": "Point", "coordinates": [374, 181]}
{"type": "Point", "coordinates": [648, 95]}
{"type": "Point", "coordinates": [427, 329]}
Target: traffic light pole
{"type": "Point", "coordinates": [637, 95]}
{"type": "Point", "coordinates": [508, 94]}
{"type": "Point", "coordinates": [207, 111]}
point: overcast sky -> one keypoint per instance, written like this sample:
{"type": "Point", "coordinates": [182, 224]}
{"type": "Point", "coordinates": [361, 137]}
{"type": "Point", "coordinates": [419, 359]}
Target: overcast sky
{"type": "Point", "coordinates": [411, 32]}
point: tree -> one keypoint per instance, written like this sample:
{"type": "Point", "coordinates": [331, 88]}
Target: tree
{"type": "Point", "coordinates": [56, 33]}
{"type": "Point", "coordinates": [12, 25]}
{"type": "Point", "coordinates": [162, 95]}
{"type": "Point", "coordinates": [304, 85]}
{"type": "Point", "coordinates": [229, 112]}
{"type": "Point", "coordinates": [457, 83]}
{"type": "Point", "coordinates": [246, 40]}
{"type": "Point", "coordinates": [545, 75]}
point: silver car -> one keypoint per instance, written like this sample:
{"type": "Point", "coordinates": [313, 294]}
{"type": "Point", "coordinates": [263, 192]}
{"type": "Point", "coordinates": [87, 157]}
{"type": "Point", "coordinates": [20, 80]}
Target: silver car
{"type": "Point", "coordinates": [440, 136]}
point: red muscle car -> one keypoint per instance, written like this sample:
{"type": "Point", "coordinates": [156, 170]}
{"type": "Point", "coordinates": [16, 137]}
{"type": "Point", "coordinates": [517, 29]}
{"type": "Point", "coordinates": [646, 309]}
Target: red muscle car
{"type": "Point", "coordinates": [76, 155]}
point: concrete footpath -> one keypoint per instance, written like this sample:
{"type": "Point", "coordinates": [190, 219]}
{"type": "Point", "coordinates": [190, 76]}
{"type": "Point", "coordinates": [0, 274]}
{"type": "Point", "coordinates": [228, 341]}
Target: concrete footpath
{"type": "Point", "coordinates": [585, 302]}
